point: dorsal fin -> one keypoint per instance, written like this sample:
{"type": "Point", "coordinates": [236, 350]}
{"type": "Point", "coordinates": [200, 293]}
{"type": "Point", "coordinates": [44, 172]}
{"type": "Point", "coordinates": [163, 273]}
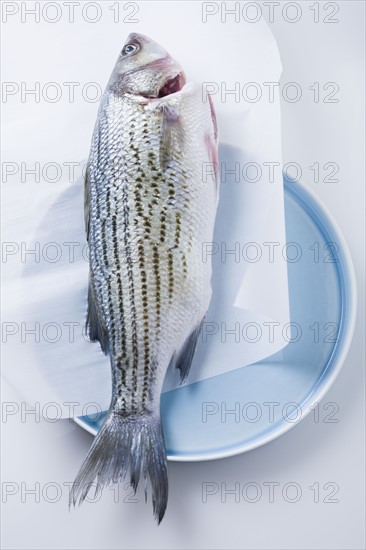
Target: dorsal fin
{"type": "Point", "coordinates": [86, 204]}
{"type": "Point", "coordinates": [94, 324]}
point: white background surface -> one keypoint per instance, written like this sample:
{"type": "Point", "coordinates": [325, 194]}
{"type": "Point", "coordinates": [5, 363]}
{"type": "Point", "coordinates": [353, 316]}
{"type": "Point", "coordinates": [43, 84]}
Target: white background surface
{"type": "Point", "coordinates": [313, 451]}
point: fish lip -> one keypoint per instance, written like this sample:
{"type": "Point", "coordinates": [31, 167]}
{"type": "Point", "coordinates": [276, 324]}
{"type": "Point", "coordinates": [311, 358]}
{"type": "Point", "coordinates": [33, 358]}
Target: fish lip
{"type": "Point", "coordinates": [172, 85]}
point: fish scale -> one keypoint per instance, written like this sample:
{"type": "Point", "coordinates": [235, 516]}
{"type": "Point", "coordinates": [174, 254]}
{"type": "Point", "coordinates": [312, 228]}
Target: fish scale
{"type": "Point", "coordinates": [123, 203]}
{"type": "Point", "coordinates": [148, 213]}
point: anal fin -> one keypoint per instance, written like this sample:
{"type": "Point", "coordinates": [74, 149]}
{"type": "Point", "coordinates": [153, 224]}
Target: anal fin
{"type": "Point", "coordinates": [183, 360]}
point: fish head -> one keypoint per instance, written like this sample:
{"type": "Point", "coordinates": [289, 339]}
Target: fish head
{"type": "Point", "coordinates": [144, 68]}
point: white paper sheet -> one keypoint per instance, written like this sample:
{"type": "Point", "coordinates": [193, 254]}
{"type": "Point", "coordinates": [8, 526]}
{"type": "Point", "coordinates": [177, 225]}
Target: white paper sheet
{"type": "Point", "coordinates": [56, 363]}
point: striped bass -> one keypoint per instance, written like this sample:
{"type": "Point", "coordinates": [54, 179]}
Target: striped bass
{"type": "Point", "coordinates": [149, 207]}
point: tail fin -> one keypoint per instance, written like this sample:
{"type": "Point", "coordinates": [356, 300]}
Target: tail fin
{"type": "Point", "coordinates": [126, 443]}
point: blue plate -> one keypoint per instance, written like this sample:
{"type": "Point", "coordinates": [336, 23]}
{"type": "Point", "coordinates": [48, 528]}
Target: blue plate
{"type": "Point", "coordinates": [243, 409]}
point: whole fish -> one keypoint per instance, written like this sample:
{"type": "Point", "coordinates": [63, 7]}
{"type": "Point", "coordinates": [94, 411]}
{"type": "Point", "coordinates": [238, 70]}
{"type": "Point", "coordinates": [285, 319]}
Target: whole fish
{"type": "Point", "coordinates": [150, 204]}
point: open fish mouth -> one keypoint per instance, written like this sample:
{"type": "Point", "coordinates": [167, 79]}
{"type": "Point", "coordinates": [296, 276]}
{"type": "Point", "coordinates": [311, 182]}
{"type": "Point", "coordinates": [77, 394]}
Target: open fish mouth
{"type": "Point", "coordinates": [172, 85]}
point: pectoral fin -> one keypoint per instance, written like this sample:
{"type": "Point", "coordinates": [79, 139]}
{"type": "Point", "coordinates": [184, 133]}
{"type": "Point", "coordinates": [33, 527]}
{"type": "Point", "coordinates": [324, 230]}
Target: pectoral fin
{"type": "Point", "coordinates": [172, 134]}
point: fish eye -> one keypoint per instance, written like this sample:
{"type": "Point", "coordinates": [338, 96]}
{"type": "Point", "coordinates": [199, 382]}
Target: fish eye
{"type": "Point", "coordinates": [130, 49]}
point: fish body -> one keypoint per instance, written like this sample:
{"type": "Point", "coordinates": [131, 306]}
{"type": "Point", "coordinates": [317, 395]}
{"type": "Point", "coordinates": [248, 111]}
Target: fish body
{"type": "Point", "coordinates": [150, 204]}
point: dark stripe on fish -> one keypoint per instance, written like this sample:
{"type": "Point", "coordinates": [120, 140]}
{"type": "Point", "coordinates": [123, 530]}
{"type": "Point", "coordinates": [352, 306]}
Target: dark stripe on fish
{"type": "Point", "coordinates": [131, 285]}
{"type": "Point", "coordinates": [121, 359]}
{"type": "Point", "coordinates": [144, 292]}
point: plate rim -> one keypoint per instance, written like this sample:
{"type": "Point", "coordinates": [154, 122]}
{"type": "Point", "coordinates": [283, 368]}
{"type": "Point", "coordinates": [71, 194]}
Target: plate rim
{"type": "Point", "coordinates": [348, 314]}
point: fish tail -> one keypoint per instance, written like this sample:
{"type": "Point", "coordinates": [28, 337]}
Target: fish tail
{"type": "Point", "coordinates": [133, 443]}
